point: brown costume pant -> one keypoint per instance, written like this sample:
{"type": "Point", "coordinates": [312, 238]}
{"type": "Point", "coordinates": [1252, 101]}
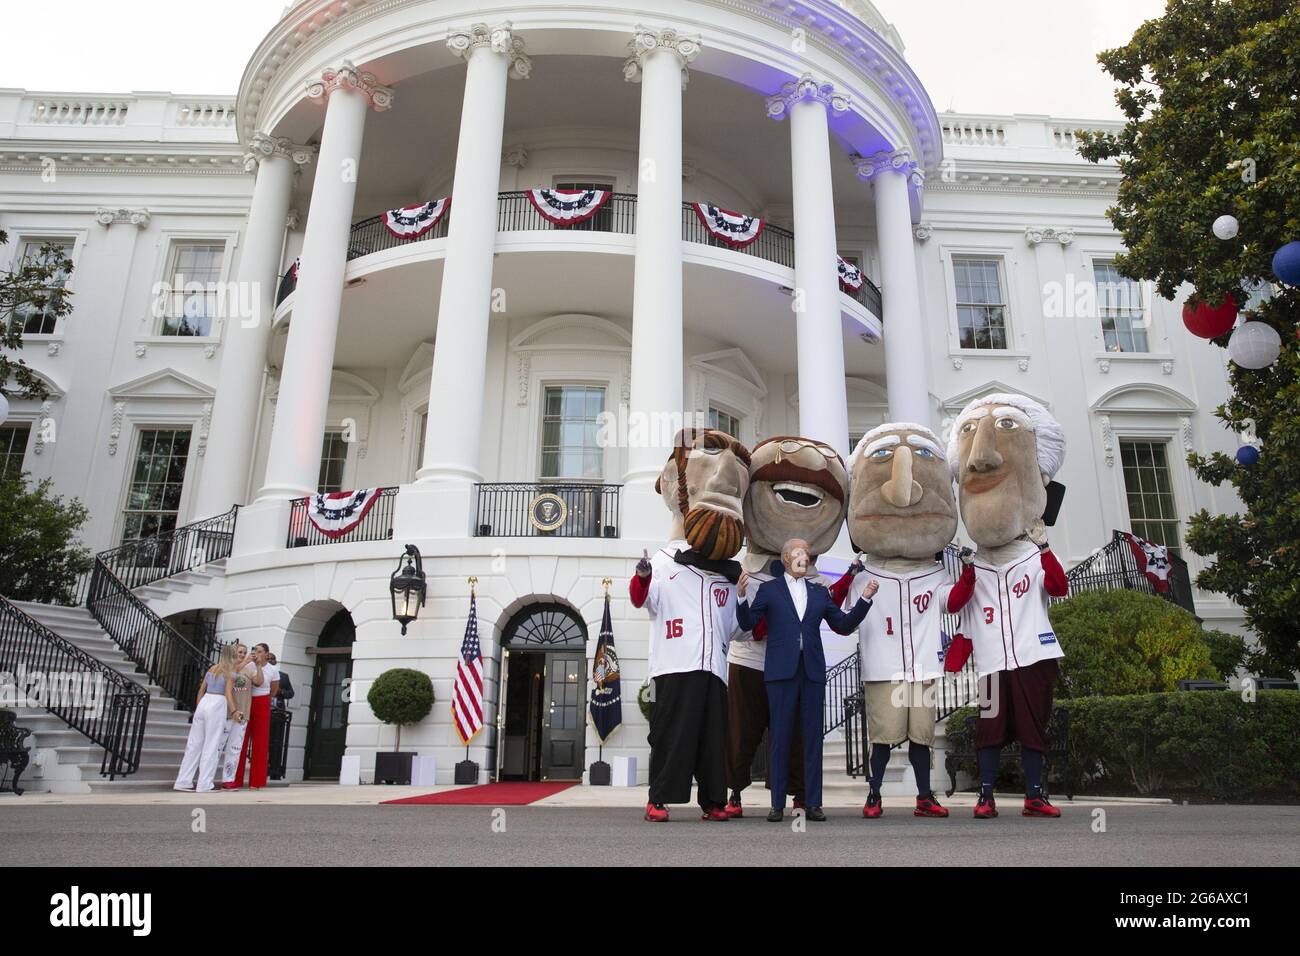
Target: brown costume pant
{"type": "Point", "coordinates": [747, 719]}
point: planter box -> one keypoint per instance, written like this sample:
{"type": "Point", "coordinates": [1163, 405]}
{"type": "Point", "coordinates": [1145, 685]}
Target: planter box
{"type": "Point", "coordinates": [393, 767]}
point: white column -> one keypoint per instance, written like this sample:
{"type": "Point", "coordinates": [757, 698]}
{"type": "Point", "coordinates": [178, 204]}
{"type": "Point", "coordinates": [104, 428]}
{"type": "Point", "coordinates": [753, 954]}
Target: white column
{"type": "Point", "coordinates": [907, 368]}
{"type": "Point", "coordinates": [492, 55]}
{"type": "Point", "coordinates": [823, 399]}
{"type": "Point", "coordinates": [659, 63]}
{"type": "Point", "coordinates": [293, 466]}
{"type": "Point", "coordinates": [245, 337]}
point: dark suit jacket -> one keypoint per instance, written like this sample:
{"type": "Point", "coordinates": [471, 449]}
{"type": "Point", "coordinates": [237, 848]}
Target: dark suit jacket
{"type": "Point", "coordinates": [774, 604]}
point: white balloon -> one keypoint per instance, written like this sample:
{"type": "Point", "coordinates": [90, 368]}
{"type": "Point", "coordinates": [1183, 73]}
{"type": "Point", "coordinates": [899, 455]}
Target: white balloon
{"type": "Point", "coordinates": [1225, 227]}
{"type": "Point", "coordinates": [1254, 345]}
{"type": "Point", "coordinates": [4, 409]}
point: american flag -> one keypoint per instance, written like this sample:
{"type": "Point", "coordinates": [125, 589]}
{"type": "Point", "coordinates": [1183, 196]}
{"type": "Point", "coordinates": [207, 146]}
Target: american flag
{"type": "Point", "coordinates": [467, 693]}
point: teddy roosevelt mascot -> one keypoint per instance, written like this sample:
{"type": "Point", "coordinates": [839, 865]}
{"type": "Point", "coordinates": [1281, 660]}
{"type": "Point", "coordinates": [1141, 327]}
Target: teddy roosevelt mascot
{"type": "Point", "coordinates": [798, 487]}
{"type": "Point", "coordinates": [689, 590]}
{"type": "Point", "coordinates": [902, 514]}
{"type": "Point", "coordinates": [1004, 451]}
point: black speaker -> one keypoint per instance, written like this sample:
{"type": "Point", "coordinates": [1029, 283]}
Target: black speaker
{"type": "Point", "coordinates": [466, 772]}
{"type": "Point", "coordinates": [599, 774]}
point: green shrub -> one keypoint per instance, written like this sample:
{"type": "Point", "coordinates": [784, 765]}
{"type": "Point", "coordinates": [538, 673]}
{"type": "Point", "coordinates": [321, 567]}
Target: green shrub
{"type": "Point", "coordinates": [1128, 642]}
{"type": "Point", "coordinates": [1227, 652]}
{"type": "Point", "coordinates": [401, 696]}
{"type": "Point", "coordinates": [1203, 745]}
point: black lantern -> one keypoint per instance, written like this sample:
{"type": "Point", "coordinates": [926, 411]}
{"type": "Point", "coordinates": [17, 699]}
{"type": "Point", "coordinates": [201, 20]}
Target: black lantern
{"type": "Point", "coordinates": [407, 587]}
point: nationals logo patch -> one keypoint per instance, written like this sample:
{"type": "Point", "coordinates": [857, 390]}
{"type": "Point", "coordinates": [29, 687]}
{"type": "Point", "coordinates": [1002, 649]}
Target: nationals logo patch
{"type": "Point", "coordinates": [721, 596]}
{"type": "Point", "coordinates": [1021, 587]}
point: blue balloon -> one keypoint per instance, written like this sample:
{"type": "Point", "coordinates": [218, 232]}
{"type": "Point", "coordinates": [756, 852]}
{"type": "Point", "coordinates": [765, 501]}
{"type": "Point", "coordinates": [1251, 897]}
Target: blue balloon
{"type": "Point", "coordinates": [1247, 455]}
{"type": "Point", "coordinates": [1286, 263]}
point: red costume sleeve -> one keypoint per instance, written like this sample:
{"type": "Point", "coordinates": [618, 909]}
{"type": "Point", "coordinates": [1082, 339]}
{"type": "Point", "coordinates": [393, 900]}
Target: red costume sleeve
{"type": "Point", "coordinates": [638, 589]}
{"type": "Point", "coordinates": [760, 632]}
{"type": "Point", "coordinates": [963, 590]}
{"type": "Point", "coordinates": [959, 651]}
{"type": "Point", "coordinates": [1054, 580]}
{"type": "Point", "coordinates": [840, 589]}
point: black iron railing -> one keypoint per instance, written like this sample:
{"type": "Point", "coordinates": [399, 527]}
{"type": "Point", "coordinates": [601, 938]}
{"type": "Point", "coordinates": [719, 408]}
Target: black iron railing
{"type": "Point", "coordinates": [516, 214]}
{"type": "Point", "coordinates": [547, 509]}
{"type": "Point", "coordinates": [109, 709]}
{"type": "Point", "coordinates": [844, 708]}
{"type": "Point", "coordinates": [169, 659]}
{"type": "Point", "coordinates": [1115, 566]}
{"type": "Point", "coordinates": [377, 525]}
{"type": "Point", "coordinates": [146, 560]}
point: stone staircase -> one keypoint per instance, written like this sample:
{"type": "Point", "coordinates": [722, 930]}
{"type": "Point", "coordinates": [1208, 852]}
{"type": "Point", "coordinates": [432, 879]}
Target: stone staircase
{"type": "Point", "coordinates": [65, 761]}
{"type": "Point", "coordinates": [176, 593]}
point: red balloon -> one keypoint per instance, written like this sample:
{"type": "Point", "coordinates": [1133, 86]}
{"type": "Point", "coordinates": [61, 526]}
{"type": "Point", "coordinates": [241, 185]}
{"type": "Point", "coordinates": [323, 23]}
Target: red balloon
{"type": "Point", "coordinates": [1210, 321]}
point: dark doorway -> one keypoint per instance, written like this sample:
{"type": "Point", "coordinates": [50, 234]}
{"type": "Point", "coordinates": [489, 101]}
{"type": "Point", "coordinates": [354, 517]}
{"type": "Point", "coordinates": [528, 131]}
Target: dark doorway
{"type": "Point", "coordinates": [327, 722]}
{"type": "Point", "coordinates": [543, 696]}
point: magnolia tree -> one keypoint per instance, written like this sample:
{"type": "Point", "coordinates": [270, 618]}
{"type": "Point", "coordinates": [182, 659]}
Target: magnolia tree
{"type": "Point", "coordinates": [1210, 92]}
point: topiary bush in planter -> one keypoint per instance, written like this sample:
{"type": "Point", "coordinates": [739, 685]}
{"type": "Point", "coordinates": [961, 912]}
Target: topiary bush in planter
{"type": "Point", "coordinates": [401, 696]}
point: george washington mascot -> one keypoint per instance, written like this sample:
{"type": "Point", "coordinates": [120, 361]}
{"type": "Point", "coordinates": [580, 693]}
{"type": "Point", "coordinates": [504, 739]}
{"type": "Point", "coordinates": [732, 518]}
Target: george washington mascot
{"type": "Point", "coordinates": [1004, 452]}
{"type": "Point", "coordinates": [689, 590]}
{"type": "Point", "coordinates": [902, 514]}
{"type": "Point", "coordinates": [798, 488]}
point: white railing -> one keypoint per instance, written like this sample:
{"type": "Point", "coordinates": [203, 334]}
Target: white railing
{"type": "Point", "coordinates": [973, 131]}
{"type": "Point", "coordinates": [211, 114]}
{"type": "Point", "coordinates": [80, 112]}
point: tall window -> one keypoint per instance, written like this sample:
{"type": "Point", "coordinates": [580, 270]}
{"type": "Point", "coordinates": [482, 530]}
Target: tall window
{"type": "Point", "coordinates": [981, 302]}
{"type": "Point", "coordinates": [570, 424]}
{"type": "Point", "coordinates": [333, 460]}
{"type": "Point", "coordinates": [724, 422]}
{"type": "Point", "coordinates": [1151, 508]}
{"type": "Point", "coordinates": [154, 499]}
{"type": "Point", "coordinates": [422, 423]}
{"type": "Point", "coordinates": [13, 448]}
{"type": "Point", "coordinates": [1119, 304]}
{"type": "Point", "coordinates": [41, 320]}
{"type": "Point", "coordinates": [193, 273]}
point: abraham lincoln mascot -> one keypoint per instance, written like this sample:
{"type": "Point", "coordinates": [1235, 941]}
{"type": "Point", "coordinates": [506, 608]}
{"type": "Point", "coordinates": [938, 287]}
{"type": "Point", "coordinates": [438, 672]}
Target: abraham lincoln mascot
{"type": "Point", "coordinates": [902, 514]}
{"type": "Point", "coordinates": [689, 589]}
{"type": "Point", "coordinates": [798, 488]}
{"type": "Point", "coordinates": [1004, 451]}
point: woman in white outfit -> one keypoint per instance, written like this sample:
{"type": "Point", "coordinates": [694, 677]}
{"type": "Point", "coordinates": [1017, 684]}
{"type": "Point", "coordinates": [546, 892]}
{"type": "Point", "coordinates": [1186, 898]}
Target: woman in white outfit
{"type": "Point", "coordinates": [247, 676]}
{"type": "Point", "coordinates": [215, 704]}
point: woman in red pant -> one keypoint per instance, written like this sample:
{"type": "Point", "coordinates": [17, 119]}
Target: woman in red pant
{"type": "Point", "coordinates": [258, 738]}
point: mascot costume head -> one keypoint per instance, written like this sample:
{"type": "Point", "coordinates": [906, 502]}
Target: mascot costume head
{"type": "Point", "coordinates": [798, 488]}
{"type": "Point", "coordinates": [703, 485]}
{"type": "Point", "coordinates": [902, 503]}
{"type": "Point", "coordinates": [1004, 451]}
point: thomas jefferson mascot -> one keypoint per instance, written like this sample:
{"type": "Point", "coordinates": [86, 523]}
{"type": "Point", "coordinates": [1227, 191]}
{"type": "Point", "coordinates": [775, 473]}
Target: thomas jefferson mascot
{"type": "Point", "coordinates": [797, 488]}
{"type": "Point", "coordinates": [902, 514]}
{"type": "Point", "coordinates": [1004, 451]}
{"type": "Point", "coordinates": [689, 589]}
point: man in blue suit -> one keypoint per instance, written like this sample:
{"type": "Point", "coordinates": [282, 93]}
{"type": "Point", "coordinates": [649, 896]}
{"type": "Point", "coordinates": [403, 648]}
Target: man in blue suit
{"type": "Point", "coordinates": [795, 669]}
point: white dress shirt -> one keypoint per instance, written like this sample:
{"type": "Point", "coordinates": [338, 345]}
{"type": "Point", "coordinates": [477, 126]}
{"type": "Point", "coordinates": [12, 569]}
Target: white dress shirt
{"type": "Point", "coordinates": [799, 593]}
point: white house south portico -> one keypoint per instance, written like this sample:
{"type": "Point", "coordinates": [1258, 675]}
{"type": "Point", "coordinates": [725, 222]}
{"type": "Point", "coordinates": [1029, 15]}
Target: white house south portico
{"type": "Point", "coordinates": [464, 373]}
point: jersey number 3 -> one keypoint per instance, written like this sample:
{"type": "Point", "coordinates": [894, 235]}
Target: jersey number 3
{"type": "Point", "coordinates": [988, 615]}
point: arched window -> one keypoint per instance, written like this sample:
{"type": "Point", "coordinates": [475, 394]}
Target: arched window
{"type": "Point", "coordinates": [545, 627]}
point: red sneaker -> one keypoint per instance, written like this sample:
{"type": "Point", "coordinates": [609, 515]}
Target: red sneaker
{"type": "Point", "coordinates": [799, 804]}
{"type": "Point", "coordinates": [716, 814]}
{"type": "Point", "coordinates": [734, 809]}
{"type": "Point", "coordinates": [230, 786]}
{"type": "Point", "coordinates": [928, 806]}
{"type": "Point", "coordinates": [871, 809]}
{"type": "Point", "coordinates": [986, 808]}
{"type": "Point", "coordinates": [656, 813]}
{"type": "Point", "coordinates": [1039, 806]}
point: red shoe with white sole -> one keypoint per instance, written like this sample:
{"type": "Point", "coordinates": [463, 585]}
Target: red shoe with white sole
{"type": "Point", "coordinates": [928, 806]}
{"type": "Point", "coordinates": [986, 808]}
{"type": "Point", "coordinates": [656, 813]}
{"type": "Point", "coordinates": [716, 814]}
{"type": "Point", "coordinates": [872, 809]}
{"type": "Point", "coordinates": [734, 808]}
{"type": "Point", "coordinates": [1039, 806]}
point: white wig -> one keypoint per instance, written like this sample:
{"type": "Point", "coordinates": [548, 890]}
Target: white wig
{"type": "Point", "coordinates": [1048, 434]}
{"type": "Point", "coordinates": [885, 429]}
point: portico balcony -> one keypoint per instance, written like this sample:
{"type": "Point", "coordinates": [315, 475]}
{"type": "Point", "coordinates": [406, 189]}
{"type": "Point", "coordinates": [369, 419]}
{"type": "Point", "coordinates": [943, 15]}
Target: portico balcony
{"type": "Point", "coordinates": [516, 214]}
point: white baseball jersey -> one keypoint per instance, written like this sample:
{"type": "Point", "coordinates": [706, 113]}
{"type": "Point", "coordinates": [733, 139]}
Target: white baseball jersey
{"type": "Point", "coordinates": [746, 651]}
{"type": "Point", "coordinates": [1006, 618]}
{"type": "Point", "coordinates": [900, 638]}
{"type": "Point", "coordinates": [692, 616]}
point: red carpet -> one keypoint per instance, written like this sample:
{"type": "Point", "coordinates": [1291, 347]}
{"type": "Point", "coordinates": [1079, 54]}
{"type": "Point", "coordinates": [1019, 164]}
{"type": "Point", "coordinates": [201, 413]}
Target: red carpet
{"type": "Point", "coordinates": [512, 794]}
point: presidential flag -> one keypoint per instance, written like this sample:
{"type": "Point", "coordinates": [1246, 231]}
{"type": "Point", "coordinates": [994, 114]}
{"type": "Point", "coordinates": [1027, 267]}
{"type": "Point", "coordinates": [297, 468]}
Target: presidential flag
{"type": "Point", "coordinates": [606, 695]}
{"type": "Point", "coordinates": [467, 692]}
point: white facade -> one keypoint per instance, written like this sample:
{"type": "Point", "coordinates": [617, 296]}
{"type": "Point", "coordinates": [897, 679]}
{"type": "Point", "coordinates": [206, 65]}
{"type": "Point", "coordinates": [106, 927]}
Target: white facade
{"type": "Point", "coordinates": [348, 109]}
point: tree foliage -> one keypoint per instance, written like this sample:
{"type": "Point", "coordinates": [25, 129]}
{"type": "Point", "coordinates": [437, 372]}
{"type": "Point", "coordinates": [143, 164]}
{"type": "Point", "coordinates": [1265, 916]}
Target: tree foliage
{"type": "Point", "coordinates": [1211, 96]}
{"type": "Point", "coordinates": [40, 555]}
{"type": "Point", "coordinates": [33, 286]}
{"type": "Point", "coordinates": [400, 696]}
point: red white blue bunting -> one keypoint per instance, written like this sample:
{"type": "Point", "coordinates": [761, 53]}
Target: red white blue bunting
{"type": "Point", "coordinates": [850, 275]}
{"type": "Point", "coordinates": [295, 268]}
{"type": "Point", "coordinates": [412, 222]}
{"type": "Point", "coordinates": [1152, 561]}
{"type": "Point", "coordinates": [734, 228]}
{"type": "Point", "coordinates": [334, 515]}
{"type": "Point", "coordinates": [568, 207]}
